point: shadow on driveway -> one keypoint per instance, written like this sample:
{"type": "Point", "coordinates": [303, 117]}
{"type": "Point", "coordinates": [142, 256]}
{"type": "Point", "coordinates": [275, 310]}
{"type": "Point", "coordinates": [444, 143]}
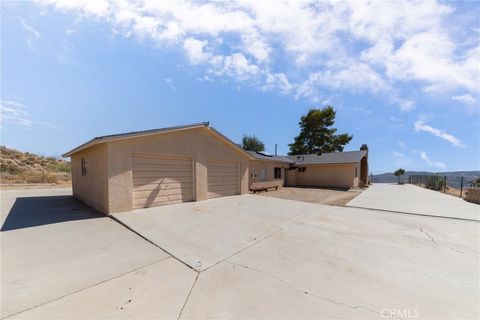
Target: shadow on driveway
{"type": "Point", "coordinates": [37, 211]}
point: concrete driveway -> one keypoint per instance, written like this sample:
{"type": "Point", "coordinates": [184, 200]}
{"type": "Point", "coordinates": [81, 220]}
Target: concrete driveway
{"type": "Point", "coordinates": [59, 254]}
{"type": "Point", "coordinates": [254, 257]}
{"type": "Point", "coordinates": [409, 198]}
{"type": "Point", "coordinates": [263, 257]}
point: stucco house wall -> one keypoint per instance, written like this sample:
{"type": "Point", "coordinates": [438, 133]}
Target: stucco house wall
{"type": "Point", "coordinates": [329, 175]}
{"type": "Point", "coordinates": [255, 166]}
{"type": "Point", "coordinates": [91, 188]}
{"type": "Point", "coordinates": [199, 143]}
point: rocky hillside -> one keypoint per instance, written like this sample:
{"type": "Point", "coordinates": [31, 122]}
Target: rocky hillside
{"type": "Point", "coordinates": [25, 167]}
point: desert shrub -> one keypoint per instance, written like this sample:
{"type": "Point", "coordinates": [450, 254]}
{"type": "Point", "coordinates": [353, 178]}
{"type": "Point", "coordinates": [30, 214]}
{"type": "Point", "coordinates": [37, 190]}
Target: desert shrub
{"type": "Point", "coordinates": [435, 182]}
{"type": "Point", "coordinates": [51, 178]}
{"type": "Point", "coordinates": [30, 176]}
{"type": "Point", "coordinates": [59, 167]}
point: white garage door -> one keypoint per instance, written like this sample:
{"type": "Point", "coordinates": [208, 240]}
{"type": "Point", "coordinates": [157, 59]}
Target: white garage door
{"type": "Point", "coordinates": [222, 178]}
{"type": "Point", "coordinates": [159, 180]}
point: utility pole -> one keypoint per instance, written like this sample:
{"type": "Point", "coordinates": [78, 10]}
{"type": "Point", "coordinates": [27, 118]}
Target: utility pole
{"type": "Point", "coordinates": [275, 149]}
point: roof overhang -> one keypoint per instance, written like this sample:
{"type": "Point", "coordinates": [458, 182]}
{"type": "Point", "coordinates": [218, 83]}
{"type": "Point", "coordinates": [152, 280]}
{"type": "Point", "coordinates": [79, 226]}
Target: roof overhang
{"type": "Point", "coordinates": [123, 136]}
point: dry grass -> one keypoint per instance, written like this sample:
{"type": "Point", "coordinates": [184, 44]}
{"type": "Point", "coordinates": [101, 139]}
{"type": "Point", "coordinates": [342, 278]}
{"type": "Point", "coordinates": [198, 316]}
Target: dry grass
{"type": "Point", "coordinates": [325, 196]}
{"type": "Point", "coordinates": [20, 167]}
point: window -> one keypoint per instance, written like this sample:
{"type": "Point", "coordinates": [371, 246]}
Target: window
{"type": "Point", "coordinates": [84, 166]}
{"type": "Point", "coordinates": [301, 169]}
{"type": "Point", "coordinates": [356, 175]}
{"type": "Point", "coordinates": [277, 173]}
{"type": "Point", "coordinates": [263, 174]}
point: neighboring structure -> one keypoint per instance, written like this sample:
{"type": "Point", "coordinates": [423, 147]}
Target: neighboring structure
{"type": "Point", "coordinates": [268, 171]}
{"type": "Point", "coordinates": [337, 169]}
{"type": "Point", "coordinates": [157, 167]}
{"type": "Point", "coordinates": [194, 162]}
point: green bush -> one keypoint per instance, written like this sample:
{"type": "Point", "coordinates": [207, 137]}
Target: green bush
{"type": "Point", "coordinates": [435, 182]}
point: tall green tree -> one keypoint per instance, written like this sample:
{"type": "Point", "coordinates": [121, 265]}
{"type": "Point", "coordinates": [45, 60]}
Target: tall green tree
{"type": "Point", "coordinates": [317, 135]}
{"type": "Point", "coordinates": [252, 143]}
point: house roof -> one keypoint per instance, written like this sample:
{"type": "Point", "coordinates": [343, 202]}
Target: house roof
{"type": "Point", "coordinates": [329, 158]}
{"type": "Point", "coordinates": [268, 157]}
{"type": "Point", "coordinates": [136, 134]}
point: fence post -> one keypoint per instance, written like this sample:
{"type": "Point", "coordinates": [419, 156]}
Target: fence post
{"type": "Point", "coordinates": [461, 187]}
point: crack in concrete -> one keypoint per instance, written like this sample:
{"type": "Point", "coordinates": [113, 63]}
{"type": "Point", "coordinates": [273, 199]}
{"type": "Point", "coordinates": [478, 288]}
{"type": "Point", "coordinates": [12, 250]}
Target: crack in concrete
{"type": "Point", "coordinates": [261, 240]}
{"type": "Point", "coordinates": [440, 244]}
{"type": "Point", "coordinates": [88, 287]}
{"type": "Point", "coordinates": [426, 233]}
{"type": "Point", "coordinates": [302, 291]}
{"type": "Point", "coordinates": [188, 296]}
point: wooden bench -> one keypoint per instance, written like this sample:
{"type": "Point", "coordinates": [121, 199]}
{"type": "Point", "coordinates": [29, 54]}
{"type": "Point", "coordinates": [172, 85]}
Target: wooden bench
{"type": "Point", "coordinates": [265, 186]}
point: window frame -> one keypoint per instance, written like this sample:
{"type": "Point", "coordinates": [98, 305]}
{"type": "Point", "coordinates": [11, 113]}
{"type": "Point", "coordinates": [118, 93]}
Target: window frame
{"type": "Point", "coordinates": [277, 173]}
{"type": "Point", "coordinates": [84, 166]}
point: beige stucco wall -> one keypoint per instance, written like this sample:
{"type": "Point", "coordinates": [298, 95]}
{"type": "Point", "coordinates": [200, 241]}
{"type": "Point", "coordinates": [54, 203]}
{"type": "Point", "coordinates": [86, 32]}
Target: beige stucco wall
{"type": "Point", "coordinates": [91, 188]}
{"type": "Point", "coordinates": [200, 144]}
{"type": "Point", "coordinates": [331, 175]}
{"type": "Point", "coordinates": [256, 165]}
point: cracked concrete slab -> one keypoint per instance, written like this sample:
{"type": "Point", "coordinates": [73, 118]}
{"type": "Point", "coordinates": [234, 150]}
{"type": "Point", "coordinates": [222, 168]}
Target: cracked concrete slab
{"type": "Point", "coordinates": [204, 233]}
{"type": "Point", "coordinates": [52, 246]}
{"type": "Point", "coordinates": [373, 261]}
{"type": "Point", "coordinates": [157, 291]}
{"type": "Point", "coordinates": [228, 291]}
{"type": "Point", "coordinates": [415, 200]}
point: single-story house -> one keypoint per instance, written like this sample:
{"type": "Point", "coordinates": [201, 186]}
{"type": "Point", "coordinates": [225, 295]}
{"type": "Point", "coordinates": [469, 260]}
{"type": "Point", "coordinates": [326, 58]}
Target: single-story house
{"type": "Point", "coordinates": [194, 162]}
{"type": "Point", "coordinates": [337, 169]}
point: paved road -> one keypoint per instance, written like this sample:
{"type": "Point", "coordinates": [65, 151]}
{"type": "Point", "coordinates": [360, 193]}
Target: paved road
{"type": "Point", "coordinates": [237, 257]}
{"type": "Point", "coordinates": [409, 198]}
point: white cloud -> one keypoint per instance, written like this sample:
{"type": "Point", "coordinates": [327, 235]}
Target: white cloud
{"type": "Point", "coordinates": [440, 165]}
{"type": "Point", "coordinates": [401, 144]}
{"type": "Point", "coordinates": [15, 113]}
{"type": "Point", "coordinates": [401, 160]}
{"type": "Point", "coordinates": [316, 46]}
{"type": "Point", "coordinates": [169, 83]}
{"type": "Point", "coordinates": [421, 126]}
{"type": "Point", "coordinates": [195, 50]}
{"type": "Point", "coordinates": [466, 98]}
{"type": "Point", "coordinates": [32, 34]}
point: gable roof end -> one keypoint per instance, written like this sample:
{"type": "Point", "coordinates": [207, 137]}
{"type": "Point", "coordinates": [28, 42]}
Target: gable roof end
{"type": "Point", "coordinates": [136, 134]}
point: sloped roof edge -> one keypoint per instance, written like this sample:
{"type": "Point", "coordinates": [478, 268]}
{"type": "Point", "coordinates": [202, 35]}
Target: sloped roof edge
{"type": "Point", "coordinates": [136, 134]}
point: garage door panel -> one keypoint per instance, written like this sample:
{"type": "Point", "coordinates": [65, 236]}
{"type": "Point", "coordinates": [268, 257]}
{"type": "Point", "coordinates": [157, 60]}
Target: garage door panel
{"type": "Point", "coordinates": [222, 178]}
{"type": "Point", "coordinates": [163, 174]}
{"type": "Point", "coordinates": [154, 199]}
{"type": "Point", "coordinates": [222, 183]}
{"type": "Point", "coordinates": [171, 168]}
{"type": "Point", "coordinates": [142, 194]}
{"type": "Point", "coordinates": [161, 181]}
{"type": "Point", "coordinates": [139, 160]}
{"type": "Point", "coordinates": [152, 186]}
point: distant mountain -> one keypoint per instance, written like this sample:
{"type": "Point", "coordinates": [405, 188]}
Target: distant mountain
{"type": "Point", "coordinates": [453, 177]}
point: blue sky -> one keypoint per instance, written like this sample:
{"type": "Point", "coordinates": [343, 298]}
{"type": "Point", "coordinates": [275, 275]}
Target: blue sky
{"type": "Point", "coordinates": [404, 77]}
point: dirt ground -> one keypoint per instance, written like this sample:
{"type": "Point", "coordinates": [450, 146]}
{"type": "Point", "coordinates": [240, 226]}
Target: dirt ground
{"type": "Point", "coordinates": [22, 186]}
{"type": "Point", "coordinates": [334, 197]}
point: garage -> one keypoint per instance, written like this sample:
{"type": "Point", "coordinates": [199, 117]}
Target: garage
{"type": "Point", "coordinates": [160, 180]}
{"type": "Point", "coordinates": [222, 178]}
